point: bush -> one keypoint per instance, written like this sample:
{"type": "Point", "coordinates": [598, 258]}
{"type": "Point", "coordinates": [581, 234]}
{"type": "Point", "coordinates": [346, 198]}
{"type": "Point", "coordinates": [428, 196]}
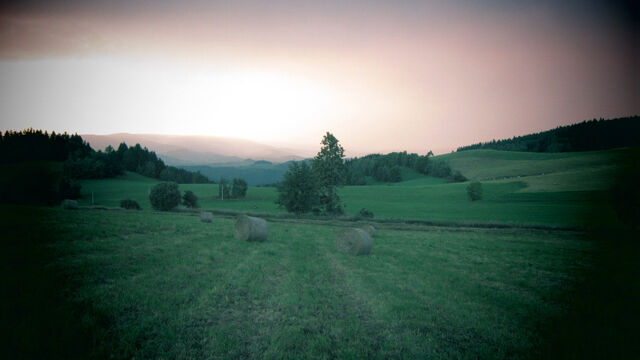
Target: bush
{"type": "Point", "coordinates": [130, 204]}
{"type": "Point", "coordinates": [474, 191]}
{"type": "Point", "coordinates": [239, 189]}
{"type": "Point", "coordinates": [364, 213]}
{"type": "Point", "coordinates": [190, 200]}
{"type": "Point", "coordinates": [457, 177]}
{"type": "Point", "coordinates": [165, 196]}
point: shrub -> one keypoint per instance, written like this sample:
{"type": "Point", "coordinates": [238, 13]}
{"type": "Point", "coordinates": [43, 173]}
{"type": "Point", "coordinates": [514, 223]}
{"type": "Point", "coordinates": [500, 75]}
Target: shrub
{"type": "Point", "coordinates": [130, 204]}
{"type": "Point", "coordinates": [165, 196]}
{"type": "Point", "coordinates": [239, 189]}
{"type": "Point", "coordinates": [364, 213]}
{"type": "Point", "coordinates": [190, 200]}
{"type": "Point", "coordinates": [474, 191]}
{"type": "Point", "coordinates": [457, 177]}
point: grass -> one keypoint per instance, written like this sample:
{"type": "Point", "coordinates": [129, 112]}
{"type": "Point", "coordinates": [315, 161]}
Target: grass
{"type": "Point", "coordinates": [419, 199]}
{"type": "Point", "coordinates": [168, 286]}
{"type": "Point", "coordinates": [494, 164]}
{"type": "Point", "coordinates": [125, 284]}
{"type": "Point", "coordinates": [573, 192]}
{"type": "Point", "coordinates": [109, 192]}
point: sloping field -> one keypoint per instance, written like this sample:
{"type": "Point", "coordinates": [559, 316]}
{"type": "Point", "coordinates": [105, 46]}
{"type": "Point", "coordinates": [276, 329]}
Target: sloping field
{"type": "Point", "coordinates": [492, 164]}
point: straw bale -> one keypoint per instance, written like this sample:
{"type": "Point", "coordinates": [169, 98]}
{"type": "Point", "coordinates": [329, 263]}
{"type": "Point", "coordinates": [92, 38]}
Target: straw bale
{"type": "Point", "coordinates": [354, 241]}
{"type": "Point", "coordinates": [249, 228]}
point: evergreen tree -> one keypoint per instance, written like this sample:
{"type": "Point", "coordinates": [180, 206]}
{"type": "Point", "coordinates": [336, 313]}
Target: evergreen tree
{"type": "Point", "coordinates": [329, 168]}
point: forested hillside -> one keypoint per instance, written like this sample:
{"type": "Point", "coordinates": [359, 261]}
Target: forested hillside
{"type": "Point", "coordinates": [585, 136]}
{"type": "Point", "coordinates": [388, 168]}
{"type": "Point", "coordinates": [83, 162]}
{"type": "Point", "coordinates": [42, 168]}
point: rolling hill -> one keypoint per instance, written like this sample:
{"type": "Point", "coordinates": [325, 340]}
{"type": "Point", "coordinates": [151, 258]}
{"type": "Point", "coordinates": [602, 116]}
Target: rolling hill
{"type": "Point", "coordinates": [591, 170]}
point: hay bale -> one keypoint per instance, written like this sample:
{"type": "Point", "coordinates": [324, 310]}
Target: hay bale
{"type": "Point", "coordinates": [69, 204]}
{"type": "Point", "coordinates": [249, 228]}
{"type": "Point", "coordinates": [370, 230]}
{"type": "Point", "coordinates": [354, 241]}
{"type": "Point", "coordinates": [206, 216]}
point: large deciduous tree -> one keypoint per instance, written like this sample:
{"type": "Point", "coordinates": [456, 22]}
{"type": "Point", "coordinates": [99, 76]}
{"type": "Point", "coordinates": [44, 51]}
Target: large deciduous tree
{"type": "Point", "coordinates": [298, 190]}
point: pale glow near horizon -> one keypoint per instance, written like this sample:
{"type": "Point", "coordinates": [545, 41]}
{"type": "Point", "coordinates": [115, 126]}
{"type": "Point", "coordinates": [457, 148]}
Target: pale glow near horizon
{"type": "Point", "coordinates": [119, 94]}
{"type": "Point", "coordinates": [381, 77]}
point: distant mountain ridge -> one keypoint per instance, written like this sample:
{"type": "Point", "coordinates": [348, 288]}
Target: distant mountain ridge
{"type": "Point", "coordinates": [254, 173]}
{"type": "Point", "coordinates": [187, 150]}
{"type": "Point", "coordinates": [584, 136]}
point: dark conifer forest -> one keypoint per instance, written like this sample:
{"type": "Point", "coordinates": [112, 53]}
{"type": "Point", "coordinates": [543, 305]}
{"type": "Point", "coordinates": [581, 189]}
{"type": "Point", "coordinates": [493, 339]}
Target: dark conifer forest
{"type": "Point", "coordinates": [585, 136]}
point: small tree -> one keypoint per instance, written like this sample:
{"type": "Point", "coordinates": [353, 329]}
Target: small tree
{"type": "Point", "coordinates": [298, 192]}
{"type": "Point", "coordinates": [165, 196]}
{"type": "Point", "coordinates": [190, 200]}
{"type": "Point", "coordinates": [239, 188]}
{"type": "Point", "coordinates": [474, 191]}
{"type": "Point", "coordinates": [223, 189]}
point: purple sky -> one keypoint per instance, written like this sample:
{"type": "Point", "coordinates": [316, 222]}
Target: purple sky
{"type": "Point", "coordinates": [382, 76]}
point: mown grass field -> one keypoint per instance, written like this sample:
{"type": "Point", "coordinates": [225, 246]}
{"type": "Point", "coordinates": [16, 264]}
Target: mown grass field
{"type": "Point", "coordinates": [168, 286]}
{"type": "Point", "coordinates": [143, 284]}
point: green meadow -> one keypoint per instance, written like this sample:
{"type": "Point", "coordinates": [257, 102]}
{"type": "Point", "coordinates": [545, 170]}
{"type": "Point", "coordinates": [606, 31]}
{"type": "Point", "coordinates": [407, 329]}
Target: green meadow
{"type": "Point", "coordinates": [168, 286]}
{"type": "Point", "coordinates": [573, 192]}
{"type": "Point", "coordinates": [552, 279]}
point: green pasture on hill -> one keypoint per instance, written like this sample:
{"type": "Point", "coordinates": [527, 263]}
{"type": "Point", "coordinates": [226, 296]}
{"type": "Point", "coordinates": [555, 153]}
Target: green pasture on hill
{"type": "Point", "coordinates": [423, 198]}
{"type": "Point", "coordinates": [154, 285]}
{"type": "Point", "coordinates": [493, 164]}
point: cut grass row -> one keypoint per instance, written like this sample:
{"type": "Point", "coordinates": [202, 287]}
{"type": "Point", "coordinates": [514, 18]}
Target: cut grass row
{"type": "Point", "coordinates": [163, 285]}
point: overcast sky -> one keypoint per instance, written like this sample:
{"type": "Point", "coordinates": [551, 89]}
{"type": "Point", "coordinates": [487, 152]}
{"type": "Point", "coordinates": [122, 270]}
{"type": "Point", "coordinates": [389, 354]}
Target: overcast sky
{"type": "Point", "coordinates": [381, 75]}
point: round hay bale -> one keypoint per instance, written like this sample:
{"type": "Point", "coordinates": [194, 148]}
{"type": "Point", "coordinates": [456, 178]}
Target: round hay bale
{"type": "Point", "coordinates": [370, 230]}
{"type": "Point", "coordinates": [70, 204]}
{"type": "Point", "coordinates": [206, 216]}
{"type": "Point", "coordinates": [250, 228]}
{"type": "Point", "coordinates": [354, 241]}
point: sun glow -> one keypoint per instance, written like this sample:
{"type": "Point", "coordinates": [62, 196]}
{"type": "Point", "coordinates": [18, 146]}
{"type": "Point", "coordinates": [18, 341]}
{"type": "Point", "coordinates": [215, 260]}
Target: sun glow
{"type": "Point", "coordinates": [171, 98]}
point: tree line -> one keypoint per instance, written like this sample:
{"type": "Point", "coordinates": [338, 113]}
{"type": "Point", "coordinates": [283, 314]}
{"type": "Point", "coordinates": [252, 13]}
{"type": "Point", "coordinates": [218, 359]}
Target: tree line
{"type": "Point", "coordinates": [596, 134]}
{"type": "Point", "coordinates": [388, 168]}
{"type": "Point", "coordinates": [83, 162]}
{"type": "Point", "coordinates": [43, 168]}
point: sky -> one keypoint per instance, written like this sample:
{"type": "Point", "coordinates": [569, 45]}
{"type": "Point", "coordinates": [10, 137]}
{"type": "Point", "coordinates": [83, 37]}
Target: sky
{"type": "Point", "coordinates": [380, 75]}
